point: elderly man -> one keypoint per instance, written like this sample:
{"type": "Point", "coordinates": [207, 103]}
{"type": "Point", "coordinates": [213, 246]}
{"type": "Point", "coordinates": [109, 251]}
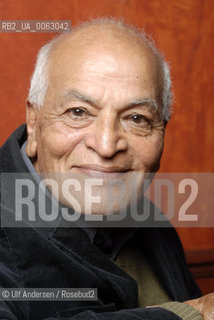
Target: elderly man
{"type": "Point", "coordinates": [97, 108]}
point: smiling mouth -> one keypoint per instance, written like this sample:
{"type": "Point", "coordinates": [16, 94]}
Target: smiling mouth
{"type": "Point", "coordinates": [97, 171]}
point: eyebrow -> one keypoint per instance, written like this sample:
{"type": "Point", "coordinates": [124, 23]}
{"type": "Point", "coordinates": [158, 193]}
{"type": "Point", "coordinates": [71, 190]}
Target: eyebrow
{"type": "Point", "coordinates": [144, 102]}
{"type": "Point", "coordinates": [73, 94]}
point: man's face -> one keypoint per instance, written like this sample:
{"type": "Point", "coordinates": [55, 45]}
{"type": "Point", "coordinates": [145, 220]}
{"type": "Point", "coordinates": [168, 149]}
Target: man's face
{"type": "Point", "coordinates": [100, 118]}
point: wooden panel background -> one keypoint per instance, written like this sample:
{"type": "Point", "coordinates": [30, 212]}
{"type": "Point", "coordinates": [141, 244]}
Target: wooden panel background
{"type": "Point", "coordinates": [183, 30]}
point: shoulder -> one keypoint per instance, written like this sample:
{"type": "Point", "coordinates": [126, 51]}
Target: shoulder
{"type": "Point", "coordinates": [10, 157]}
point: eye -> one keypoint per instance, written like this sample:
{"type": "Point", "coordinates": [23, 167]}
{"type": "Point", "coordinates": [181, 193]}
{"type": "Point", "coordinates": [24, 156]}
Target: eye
{"type": "Point", "coordinates": [77, 112]}
{"type": "Point", "coordinates": [140, 119]}
{"type": "Point", "coordinates": [136, 118]}
{"type": "Point", "coordinates": [78, 117]}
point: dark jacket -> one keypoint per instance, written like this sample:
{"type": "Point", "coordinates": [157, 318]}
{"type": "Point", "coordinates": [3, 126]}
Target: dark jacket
{"type": "Point", "coordinates": [65, 258]}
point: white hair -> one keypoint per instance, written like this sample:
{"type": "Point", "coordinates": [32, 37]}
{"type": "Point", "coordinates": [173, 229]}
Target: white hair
{"type": "Point", "coordinates": [39, 79]}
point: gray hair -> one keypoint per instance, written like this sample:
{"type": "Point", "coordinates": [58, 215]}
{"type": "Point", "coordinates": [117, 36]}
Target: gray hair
{"type": "Point", "coordinates": [39, 79]}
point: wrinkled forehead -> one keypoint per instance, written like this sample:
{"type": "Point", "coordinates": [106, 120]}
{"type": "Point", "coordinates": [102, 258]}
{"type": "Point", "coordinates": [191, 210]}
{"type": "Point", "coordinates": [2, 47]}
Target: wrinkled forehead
{"type": "Point", "coordinates": [101, 38]}
{"type": "Point", "coordinates": [105, 51]}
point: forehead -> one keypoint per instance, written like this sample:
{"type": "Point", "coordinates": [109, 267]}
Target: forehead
{"type": "Point", "coordinates": [102, 57]}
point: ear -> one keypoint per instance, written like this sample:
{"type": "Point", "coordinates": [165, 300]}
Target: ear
{"type": "Point", "coordinates": [31, 117]}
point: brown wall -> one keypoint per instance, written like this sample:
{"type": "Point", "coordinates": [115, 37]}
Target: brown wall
{"type": "Point", "coordinates": [182, 29]}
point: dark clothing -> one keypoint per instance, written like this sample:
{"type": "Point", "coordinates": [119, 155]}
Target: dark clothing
{"type": "Point", "coordinates": [66, 258]}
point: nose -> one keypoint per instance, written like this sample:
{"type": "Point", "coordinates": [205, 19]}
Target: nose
{"type": "Point", "coordinates": [107, 138]}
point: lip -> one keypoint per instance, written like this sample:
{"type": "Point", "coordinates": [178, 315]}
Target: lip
{"type": "Point", "coordinates": [102, 172]}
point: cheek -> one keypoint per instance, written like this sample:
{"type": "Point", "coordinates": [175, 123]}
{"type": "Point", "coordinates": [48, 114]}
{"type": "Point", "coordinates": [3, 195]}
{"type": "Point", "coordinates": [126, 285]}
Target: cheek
{"type": "Point", "coordinates": [148, 153]}
{"type": "Point", "coordinates": [57, 140]}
